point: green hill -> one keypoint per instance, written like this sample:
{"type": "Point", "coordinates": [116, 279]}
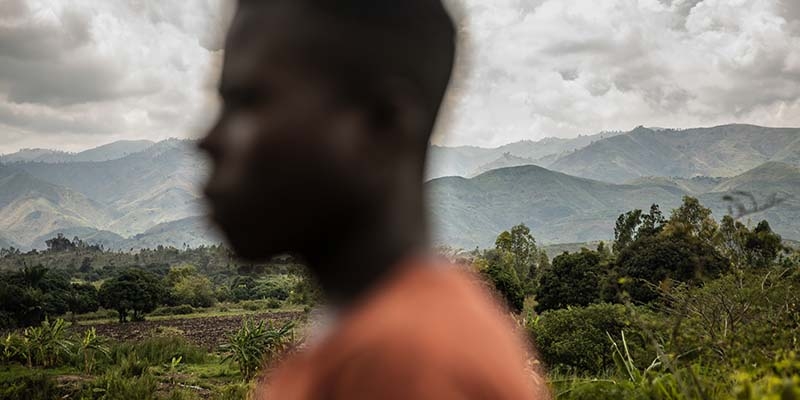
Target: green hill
{"type": "Point", "coordinates": [30, 207]}
{"type": "Point", "coordinates": [557, 207]}
{"type": "Point", "coordinates": [560, 208]}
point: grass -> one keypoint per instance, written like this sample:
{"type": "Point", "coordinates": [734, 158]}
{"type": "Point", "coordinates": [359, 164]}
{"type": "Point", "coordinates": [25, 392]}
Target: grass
{"type": "Point", "coordinates": [216, 311]}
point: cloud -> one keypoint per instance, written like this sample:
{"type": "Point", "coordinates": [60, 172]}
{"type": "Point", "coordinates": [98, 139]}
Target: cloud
{"type": "Point", "coordinates": [559, 68]}
{"type": "Point", "coordinates": [82, 71]}
{"type": "Point", "coordinates": [77, 73]}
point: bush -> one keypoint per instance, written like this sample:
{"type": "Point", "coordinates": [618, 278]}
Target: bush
{"type": "Point", "coordinates": [160, 350]}
{"type": "Point", "coordinates": [254, 345]}
{"type": "Point", "coordinates": [33, 387]}
{"type": "Point", "coordinates": [273, 304]}
{"type": "Point", "coordinates": [182, 309]}
{"type": "Point", "coordinates": [577, 339]}
{"type": "Point", "coordinates": [116, 386]}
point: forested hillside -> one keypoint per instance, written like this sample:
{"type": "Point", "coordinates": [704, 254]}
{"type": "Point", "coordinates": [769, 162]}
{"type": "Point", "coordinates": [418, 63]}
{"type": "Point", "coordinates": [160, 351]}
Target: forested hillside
{"type": "Point", "coordinates": [565, 209]}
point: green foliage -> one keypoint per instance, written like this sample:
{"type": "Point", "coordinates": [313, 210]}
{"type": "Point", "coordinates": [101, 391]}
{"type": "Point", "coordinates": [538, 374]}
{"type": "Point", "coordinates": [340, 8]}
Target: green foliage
{"type": "Point", "coordinates": [634, 225]}
{"type": "Point", "coordinates": [89, 346]}
{"type": "Point", "coordinates": [38, 386]}
{"type": "Point", "coordinates": [31, 294]}
{"type": "Point", "coordinates": [758, 248]}
{"type": "Point", "coordinates": [45, 345]}
{"type": "Point", "coordinates": [255, 345]}
{"type": "Point", "coordinates": [116, 385]}
{"type": "Point", "coordinates": [745, 319]}
{"type": "Point", "coordinates": [182, 309]}
{"type": "Point", "coordinates": [499, 271]}
{"type": "Point", "coordinates": [577, 339]}
{"type": "Point", "coordinates": [135, 291]}
{"type": "Point", "coordinates": [521, 246]}
{"type": "Point", "coordinates": [160, 350]}
{"type": "Point", "coordinates": [83, 299]}
{"type": "Point", "coordinates": [573, 280]}
{"type": "Point", "coordinates": [656, 261]}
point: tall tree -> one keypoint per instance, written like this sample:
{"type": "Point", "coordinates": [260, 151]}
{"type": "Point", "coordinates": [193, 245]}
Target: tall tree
{"type": "Point", "coordinates": [521, 246]}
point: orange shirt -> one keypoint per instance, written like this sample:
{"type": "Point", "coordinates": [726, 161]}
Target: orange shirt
{"type": "Point", "coordinates": [428, 332]}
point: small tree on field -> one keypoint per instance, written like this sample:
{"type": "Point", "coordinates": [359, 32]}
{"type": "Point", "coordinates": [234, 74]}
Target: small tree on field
{"type": "Point", "coordinates": [133, 291]}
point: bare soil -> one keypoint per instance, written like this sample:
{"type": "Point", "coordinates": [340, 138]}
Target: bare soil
{"type": "Point", "coordinates": [207, 332]}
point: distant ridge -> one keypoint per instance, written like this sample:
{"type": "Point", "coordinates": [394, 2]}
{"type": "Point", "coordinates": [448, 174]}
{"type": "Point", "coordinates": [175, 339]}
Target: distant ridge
{"type": "Point", "coordinates": [111, 151]}
{"type": "Point", "coordinates": [150, 197]}
{"type": "Point", "coordinates": [561, 208]}
{"type": "Point", "coordinates": [721, 151]}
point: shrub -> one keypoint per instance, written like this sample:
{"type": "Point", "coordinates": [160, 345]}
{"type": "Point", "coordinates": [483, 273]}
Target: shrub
{"type": "Point", "coordinates": [31, 387]}
{"type": "Point", "coordinates": [182, 309]}
{"type": "Point", "coordinates": [253, 345]}
{"type": "Point", "coordinates": [273, 304]}
{"type": "Point", "coordinates": [114, 385]}
{"type": "Point", "coordinates": [577, 339]}
{"type": "Point", "coordinates": [160, 350]}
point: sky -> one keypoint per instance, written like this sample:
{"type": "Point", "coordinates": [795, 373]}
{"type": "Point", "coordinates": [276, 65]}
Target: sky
{"type": "Point", "coordinates": [75, 74]}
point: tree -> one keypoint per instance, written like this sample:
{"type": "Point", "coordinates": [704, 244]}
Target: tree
{"type": "Point", "coordinates": [693, 219]}
{"type": "Point", "coordinates": [654, 261]}
{"type": "Point", "coordinates": [573, 280]}
{"type": "Point", "coordinates": [635, 224]}
{"type": "Point", "coordinates": [745, 248]}
{"type": "Point", "coordinates": [194, 290]}
{"type": "Point", "coordinates": [133, 291]}
{"type": "Point", "coordinates": [59, 243]}
{"type": "Point", "coordinates": [497, 268]}
{"type": "Point", "coordinates": [521, 245]}
{"type": "Point", "coordinates": [82, 299]}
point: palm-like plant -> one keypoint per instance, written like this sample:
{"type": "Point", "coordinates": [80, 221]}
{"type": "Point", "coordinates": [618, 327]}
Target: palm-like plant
{"type": "Point", "coordinates": [46, 343]}
{"type": "Point", "coordinates": [89, 345]}
{"type": "Point", "coordinates": [254, 345]}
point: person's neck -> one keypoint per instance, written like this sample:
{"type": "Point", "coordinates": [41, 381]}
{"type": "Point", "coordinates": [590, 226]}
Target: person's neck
{"type": "Point", "coordinates": [349, 265]}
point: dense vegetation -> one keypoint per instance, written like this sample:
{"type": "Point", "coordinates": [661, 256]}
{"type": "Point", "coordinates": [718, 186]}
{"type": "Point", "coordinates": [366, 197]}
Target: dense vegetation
{"type": "Point", "coordinates": [44, 356]}
{"type": "Point", "coordinates": [676, 308]}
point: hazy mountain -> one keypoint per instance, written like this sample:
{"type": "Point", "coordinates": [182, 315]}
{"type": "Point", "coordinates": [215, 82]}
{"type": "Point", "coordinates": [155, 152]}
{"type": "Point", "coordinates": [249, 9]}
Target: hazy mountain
{"type": "Point", "coordinates": [146, 188]}
{"type": "Point", "coordinates": [724, 151]}
{"type": "Point", "coordinates": [695, 185]}
{"type": "Point", "coordinates": [35, 155]}
{"type": "Point", "coordinates": [557, 207]}
{"type": "Point", "coordinates": [111, 151]}
{"type": "Point", "coordinates": [560, 208]}
{"type": "Point", "coordinates": [470, 160]}
{"type": "Point", "coordinates": [30, 207]}
{"type": "Point", "coordinates": [192, 232]}
{"type": "Point", "coordinates": [150, 197]}
{"type": "Point", "coordinates": [107, 239]}
{"type": "Point", "coordinates": [504, 161]}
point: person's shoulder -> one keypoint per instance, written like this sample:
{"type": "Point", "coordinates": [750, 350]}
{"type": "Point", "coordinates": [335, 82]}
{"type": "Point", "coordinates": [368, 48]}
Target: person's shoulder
{"type": "Point", "coordinates": [443, 315]}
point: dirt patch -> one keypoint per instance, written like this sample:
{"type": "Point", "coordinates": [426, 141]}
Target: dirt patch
{"type": "Point", "coordinates": [208, 332]}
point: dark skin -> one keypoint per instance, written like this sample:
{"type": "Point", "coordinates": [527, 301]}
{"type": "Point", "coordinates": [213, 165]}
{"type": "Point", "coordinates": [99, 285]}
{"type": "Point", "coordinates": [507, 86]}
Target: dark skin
{"type": "Point", "coordinates": [301, 167]}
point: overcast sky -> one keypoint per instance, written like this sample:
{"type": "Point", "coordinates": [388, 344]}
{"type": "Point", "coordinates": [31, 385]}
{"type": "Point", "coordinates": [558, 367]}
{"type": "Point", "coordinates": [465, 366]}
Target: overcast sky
{"type": "Point", "coordinates": [78, 73]}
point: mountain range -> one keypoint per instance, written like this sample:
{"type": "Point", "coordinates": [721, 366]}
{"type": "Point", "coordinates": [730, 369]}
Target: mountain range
{"type": "Point", "coordinates": [560, 208]}
{"type": "Point", "coordinates": [137, 194]}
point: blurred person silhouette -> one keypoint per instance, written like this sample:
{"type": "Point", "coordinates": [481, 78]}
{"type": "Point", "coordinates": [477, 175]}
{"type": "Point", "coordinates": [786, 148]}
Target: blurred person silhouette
{"type": "Point", "coordinates": [319, 151]}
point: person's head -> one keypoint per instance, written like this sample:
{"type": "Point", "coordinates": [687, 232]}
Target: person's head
{"type": "Point", "coordinates": [328, 109]}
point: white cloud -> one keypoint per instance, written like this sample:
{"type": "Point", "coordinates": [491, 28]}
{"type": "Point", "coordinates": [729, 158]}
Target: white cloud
{"type": "Point", "coordinates": [561, 68]}
{"type": "Point", "coordinates": [77, 73]}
